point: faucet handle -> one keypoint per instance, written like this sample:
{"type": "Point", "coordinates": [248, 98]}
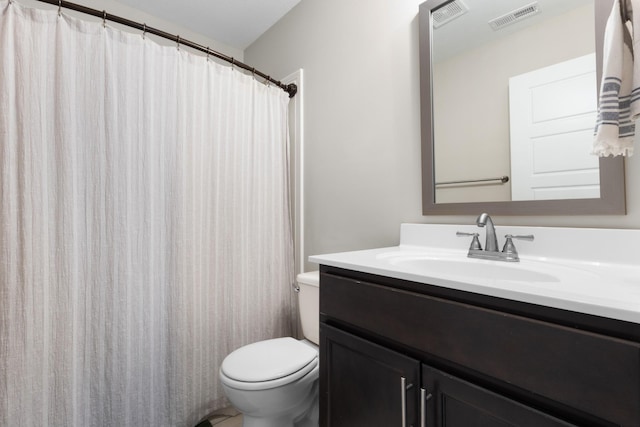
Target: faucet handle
{"type": "Point", "coordinates": [475, 242]}
{"type": "Point", "coordinates": [509, 247]}
{"type": "Point", "coordinates": [527, 237]}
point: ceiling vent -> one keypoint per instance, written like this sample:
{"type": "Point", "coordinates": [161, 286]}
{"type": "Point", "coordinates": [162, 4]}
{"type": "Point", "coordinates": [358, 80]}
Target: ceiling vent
{"type": "Point", "coordinates": [515, 16]}
{"type": "Point", "coordinates": [448, 12]}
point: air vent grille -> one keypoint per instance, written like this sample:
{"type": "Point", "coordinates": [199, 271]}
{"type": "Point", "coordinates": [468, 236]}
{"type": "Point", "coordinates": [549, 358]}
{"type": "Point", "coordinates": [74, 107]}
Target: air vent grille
{"type": "Point", "coordinates": [515, 16]}
{"type": "Point", "coordinates": [448, 12]}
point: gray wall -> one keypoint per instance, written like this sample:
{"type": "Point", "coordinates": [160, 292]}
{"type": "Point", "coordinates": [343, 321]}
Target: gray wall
{"type": "Point", "coordinates": [362, 124]}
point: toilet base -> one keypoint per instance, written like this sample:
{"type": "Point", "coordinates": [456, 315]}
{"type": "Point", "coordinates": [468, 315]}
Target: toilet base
{"type": "Point", "coordinates": [262, 422]}
{"type": "Point", "coordinates": [308, 419]}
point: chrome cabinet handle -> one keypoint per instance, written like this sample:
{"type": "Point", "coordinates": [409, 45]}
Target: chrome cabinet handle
{"type": "Point", "coordinates": [403, 400]}
{"type": "Point", "coordinates": [423, 406]}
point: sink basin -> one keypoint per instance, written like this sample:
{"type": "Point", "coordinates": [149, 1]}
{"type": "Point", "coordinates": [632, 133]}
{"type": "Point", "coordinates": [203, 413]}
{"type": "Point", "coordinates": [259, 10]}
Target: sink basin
{"type": "Point", "coordinates": [494, 270]}
{"type": "Point", "coordinates": [456, 266]}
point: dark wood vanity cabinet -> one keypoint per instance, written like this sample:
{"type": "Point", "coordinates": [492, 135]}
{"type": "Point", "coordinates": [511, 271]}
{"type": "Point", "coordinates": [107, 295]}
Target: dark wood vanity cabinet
{"type": "Point", "coordinates": [399, 353]}
{"type": "Point", "coordinates": [370, 384]}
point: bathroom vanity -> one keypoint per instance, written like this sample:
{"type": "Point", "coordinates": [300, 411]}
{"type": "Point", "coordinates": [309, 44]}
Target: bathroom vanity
{"type": "Point", "coordinates": [420, 335]}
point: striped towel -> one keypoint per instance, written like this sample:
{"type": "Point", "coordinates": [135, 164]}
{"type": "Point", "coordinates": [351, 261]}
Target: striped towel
{"type": "Point", "coordinates": [619, 104]}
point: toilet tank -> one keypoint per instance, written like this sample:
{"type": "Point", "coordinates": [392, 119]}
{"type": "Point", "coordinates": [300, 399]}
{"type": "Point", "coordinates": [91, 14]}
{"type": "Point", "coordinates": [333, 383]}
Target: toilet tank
{"type": "Point", "coordinates": [309, 305]}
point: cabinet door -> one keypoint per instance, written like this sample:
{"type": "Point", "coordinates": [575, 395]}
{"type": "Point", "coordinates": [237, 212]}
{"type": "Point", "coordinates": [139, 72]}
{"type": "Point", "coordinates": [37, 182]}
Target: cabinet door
{"type": "Point", "coordinates": [452, 402]}
{"type": "Point", "coordinates": [365, 385]}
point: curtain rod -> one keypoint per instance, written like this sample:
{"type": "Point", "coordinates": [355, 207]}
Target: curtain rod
{"type": "Point", "coordinates": [291, 89]}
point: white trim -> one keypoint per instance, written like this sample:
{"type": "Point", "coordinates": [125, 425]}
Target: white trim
{"type": "Point", "coordinates": [296, 128]}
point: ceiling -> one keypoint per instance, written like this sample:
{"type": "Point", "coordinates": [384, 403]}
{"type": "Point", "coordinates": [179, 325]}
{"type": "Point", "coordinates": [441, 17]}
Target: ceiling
{"type": "Point", "coordinates": [236, 23]}
{"type": "Point", "coordinates": [472, 29]}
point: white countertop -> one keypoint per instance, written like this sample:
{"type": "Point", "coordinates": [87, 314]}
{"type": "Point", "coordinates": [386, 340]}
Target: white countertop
{"type": "Point", "coordinates": [592, 271]}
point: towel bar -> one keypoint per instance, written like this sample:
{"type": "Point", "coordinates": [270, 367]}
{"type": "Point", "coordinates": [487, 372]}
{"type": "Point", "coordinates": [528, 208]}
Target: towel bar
{"type": "Point", "coordinates": [502, 179]}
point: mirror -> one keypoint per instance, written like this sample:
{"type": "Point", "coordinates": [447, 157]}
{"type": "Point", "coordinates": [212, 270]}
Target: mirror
{"type": "Point", "coordinates": [508, 113]}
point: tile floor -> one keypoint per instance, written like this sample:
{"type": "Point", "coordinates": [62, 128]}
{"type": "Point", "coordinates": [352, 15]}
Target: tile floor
{"type": "Point", "coordinates": [227, 417]}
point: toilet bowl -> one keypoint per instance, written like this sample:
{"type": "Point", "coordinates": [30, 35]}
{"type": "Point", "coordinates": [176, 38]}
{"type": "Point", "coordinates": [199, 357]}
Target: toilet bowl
{"type": "Point", "coordinates": [274, 383]}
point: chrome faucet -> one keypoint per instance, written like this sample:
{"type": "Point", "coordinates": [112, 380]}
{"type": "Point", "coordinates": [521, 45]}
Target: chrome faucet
{"type": "Point", "coordinates": [491, 241]}
{"type": "Point", "coordinates": [490, 251]}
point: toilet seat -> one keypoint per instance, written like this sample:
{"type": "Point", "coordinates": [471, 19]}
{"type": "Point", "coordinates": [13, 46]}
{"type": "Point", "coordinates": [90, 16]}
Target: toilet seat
{"type": "Point", "coordinates": [268, 364]}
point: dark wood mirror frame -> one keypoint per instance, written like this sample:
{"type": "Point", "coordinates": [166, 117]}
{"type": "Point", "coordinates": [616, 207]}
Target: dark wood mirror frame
{"type": "Point", "coordinates": [612, 184]}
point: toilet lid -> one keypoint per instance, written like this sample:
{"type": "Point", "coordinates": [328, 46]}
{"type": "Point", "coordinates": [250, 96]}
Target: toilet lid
{"type": "Point", "coordinates": [268, 360]}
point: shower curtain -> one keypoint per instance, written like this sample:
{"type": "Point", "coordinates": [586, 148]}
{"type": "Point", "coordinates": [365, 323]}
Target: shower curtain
{"type": "Point", "coordinates": [144, 224]}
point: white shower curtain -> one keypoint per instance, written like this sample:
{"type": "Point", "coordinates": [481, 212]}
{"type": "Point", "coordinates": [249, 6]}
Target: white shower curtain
{"type": "Point", "coordinates": [144, 224]}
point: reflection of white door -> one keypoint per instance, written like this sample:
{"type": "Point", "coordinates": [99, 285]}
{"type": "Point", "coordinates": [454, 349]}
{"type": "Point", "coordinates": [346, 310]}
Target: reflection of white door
{"type": "Point", "coordinates": [552, 117]}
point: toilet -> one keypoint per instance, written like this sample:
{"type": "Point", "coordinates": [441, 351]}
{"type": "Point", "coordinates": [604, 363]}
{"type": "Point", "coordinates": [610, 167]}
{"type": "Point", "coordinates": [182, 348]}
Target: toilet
{"type": "Point", "coordinates": [274, 383]}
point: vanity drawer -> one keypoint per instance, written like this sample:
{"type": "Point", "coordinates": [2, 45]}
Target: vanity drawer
{"type": "Point", "coordinates": [593, 373]}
